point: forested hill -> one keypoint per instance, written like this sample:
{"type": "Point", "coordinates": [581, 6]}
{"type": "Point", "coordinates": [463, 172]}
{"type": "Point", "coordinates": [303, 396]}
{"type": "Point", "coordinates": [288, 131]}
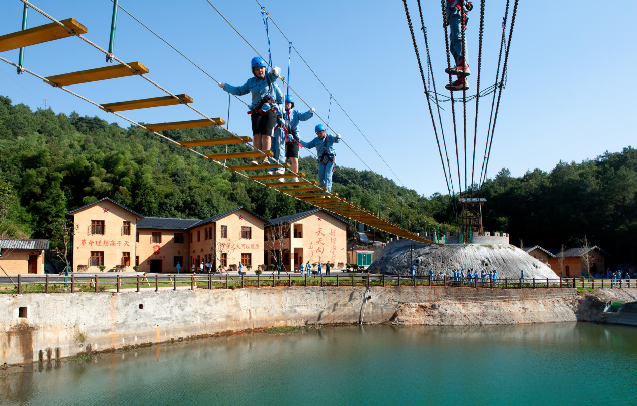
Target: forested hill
{"type": "Point", "coordinates": [50, 164]}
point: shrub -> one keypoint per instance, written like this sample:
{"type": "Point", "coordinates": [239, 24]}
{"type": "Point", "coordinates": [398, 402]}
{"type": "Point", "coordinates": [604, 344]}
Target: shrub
{"type": "Point", "coordinates": [258, 272]}
{"type": "Point", "coordinates": [102, 267]}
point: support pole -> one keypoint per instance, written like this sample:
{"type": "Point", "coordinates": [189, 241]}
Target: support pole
{"type": "Point", "coordinates": [24, 27]}
{"type": "Point", "coordinates": [111, 43]}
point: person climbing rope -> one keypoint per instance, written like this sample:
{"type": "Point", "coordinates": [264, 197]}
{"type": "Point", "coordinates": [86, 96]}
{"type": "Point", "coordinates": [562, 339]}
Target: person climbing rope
{"type": "Point", "coordinates": [456, 26]}
{"type": "Point", "coordinates": [266, 94]}
{"type": "Point", "coordinates": [288, 129]}
{"type": "Point", "coordinates": [324, 144]}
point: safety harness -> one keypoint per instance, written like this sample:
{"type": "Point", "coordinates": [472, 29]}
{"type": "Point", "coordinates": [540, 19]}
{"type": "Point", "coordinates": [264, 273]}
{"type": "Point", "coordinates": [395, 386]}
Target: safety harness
{"type": "Point", "coordinates": [267, 99]}
{"type": "Point", "coordinates": [330, 157]}
{"type": "Point", "coordinates": [288, 131]}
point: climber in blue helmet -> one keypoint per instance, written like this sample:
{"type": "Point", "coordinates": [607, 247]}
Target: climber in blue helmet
{"type": "Point", "coordinates": [267, 99]}
{"type": "Point", "coordinates": [285, 132]}
{"type": "Point", "coordinates": [324, 144]}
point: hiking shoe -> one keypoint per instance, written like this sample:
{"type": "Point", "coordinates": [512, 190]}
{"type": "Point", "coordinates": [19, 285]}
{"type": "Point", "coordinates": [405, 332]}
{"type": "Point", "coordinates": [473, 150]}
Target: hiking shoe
{"type": "Point", "coordinates": [281, 171]}
{"type": "Point", "coordinates": [460, 70]}
{"type": "Point", "coordinates": [254, 163]}
{"type": "Point", "coordinates": [281, 180]}
{"type": "Point", "coordinates": [295, 179]}
{"type": "Point", "coordinates": [460, 84]}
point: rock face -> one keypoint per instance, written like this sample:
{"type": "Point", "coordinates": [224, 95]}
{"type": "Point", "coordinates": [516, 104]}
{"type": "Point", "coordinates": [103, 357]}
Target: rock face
{"type": "Point", "coordinates": [507, 259]}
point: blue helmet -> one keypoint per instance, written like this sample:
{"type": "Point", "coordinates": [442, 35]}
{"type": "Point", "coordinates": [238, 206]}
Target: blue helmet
{"type": "Point", "coordinates": [258, 62]}
{"type": "Point", "coordinates": [320, 127]}
{"type": "Point", "coordinates": [289, 99]}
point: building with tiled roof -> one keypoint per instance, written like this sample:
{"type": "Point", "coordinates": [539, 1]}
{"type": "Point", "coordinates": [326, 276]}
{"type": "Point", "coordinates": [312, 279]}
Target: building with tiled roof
{"type": "Point", "coordinates": [23, 256]}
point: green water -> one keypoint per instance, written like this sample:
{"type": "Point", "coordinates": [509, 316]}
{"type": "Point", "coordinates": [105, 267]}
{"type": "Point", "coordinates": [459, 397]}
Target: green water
{"type": "Point", "coordinates": [562, 364]}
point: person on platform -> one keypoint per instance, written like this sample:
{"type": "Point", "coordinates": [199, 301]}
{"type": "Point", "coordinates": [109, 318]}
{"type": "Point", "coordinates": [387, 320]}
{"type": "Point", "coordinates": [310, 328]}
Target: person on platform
{"type": "Point", "coordinates": [324, 144]}
{"type": "Point", "coordinates": [266, 94]}
{"type": "Point", "coordinates": [285, 133]}
{"type": "Point", "coordinates": [456, 10]}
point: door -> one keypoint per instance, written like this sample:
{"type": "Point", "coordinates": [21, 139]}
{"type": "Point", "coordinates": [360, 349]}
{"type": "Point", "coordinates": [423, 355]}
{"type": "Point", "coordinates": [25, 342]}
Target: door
{"type": "Point", "coordinates": [155, 265]}
{"type": "Point", "coordinates": [33, 264]}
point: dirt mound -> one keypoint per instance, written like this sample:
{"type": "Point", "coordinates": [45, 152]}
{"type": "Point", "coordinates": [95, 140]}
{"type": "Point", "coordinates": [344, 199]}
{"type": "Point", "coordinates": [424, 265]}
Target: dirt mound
{"type": "Point", "coordinates": [507, 259]}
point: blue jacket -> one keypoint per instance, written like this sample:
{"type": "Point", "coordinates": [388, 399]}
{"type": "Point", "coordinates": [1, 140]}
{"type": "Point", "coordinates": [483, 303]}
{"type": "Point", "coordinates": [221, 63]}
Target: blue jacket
{"type": "Point", "coordinates": [322, 145]}
{"type": "Point", "coordinates": [259, 89]}
{"type": "Point", "coordinates": [293, 117]}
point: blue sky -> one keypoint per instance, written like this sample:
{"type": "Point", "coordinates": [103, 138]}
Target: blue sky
{"type": "Point", "coordinates": [566, 98]}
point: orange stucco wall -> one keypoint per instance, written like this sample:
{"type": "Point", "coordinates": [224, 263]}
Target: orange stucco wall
{"type": "Point", "coordinates": [17, 261]}
{"type": "Point", "coordinates": [539, 255]}
{"type": "Point", "coordinates": [575, 265]}
{"type": "Point", "coordinates": [166, 251]}
{"type": "Point", "coordinates": [323, 238]}
{"type": "Point", "coordinates": [113, 243]}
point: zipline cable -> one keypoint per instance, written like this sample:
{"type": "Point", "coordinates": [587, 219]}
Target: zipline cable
{"type": "Point", "coordinates": [331, 95]}
{"type": "Point", "coordinates": [497, 75]}
{"type": "Point", "coordinates": [463, 26]}
{"type": "Point", "coordinates": [504, 69]}
{"type": "Point", "coordinates": [422, 75]}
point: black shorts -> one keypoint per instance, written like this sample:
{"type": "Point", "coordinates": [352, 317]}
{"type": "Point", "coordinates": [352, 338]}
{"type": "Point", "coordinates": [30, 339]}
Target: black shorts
{"type": "Point", "coordinates": [265, 124]}
{"type": "Point", "coordinates": [291, 149]}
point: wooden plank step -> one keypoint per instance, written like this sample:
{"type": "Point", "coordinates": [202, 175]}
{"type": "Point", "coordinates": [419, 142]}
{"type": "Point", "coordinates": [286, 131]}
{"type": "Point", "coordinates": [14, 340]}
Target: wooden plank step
{"type": "Point", "coordinates": [285, 184]}
{"type": "Point", "coordinates": [40, 34]}
{"type": "Point", "coordinates": [302, 190]}
{"type": "Point", "coordinates": [147, 103]}
{"type": "Point", "coordinates": [215, 141]}
{"type": "Point", "coordinates": [258, 167]}
{"type": "Point", "coordinates": [93, 75]}
{"type": "Point", "coordinates": [242, 154]}
{"type": "Point", "coordinates": [190, 124]}
{"type": "Point", "coordinates": [281, 175]}
{"type": "Point", "coordinates": [310, 195]}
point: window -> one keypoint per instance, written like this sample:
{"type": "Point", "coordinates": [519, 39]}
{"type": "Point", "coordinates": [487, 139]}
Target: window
{"type": "Point", "coordinates": [137, 236]}
{"type": "Point", "coordinates": [156, 238]}
{"type": "Point", "coordinates": [97, 258]}
{"type": "Point", "coordinates": [246, 259]}
{"type": "Point", "coordinates": [126, 228]}
{"type": "Point", "coordinates": [191, 240]}
{"type": "Point", "coordinates": [205, 234]}
{"type": "Point", "coordinates": [224, 231]}
{"type": "Point", "coordinates": [178, 260]}
{"type": "Point", "coordinates": [224, 260]}
{"type": "Point", "coordinates": [126, 258]}
{"type": "Point", "coordinates": [246, 232]}
{"type": "Point", "coordinates": [179, 238]}
{"type": "Point", "coordinates": [567, 269]}
{"type": "Point", "coordinates": [210, 233]}
{"type": "Point", "coordinates": [97, 227]}
{"type": "Point", "coordinates": [136, 261]}
{"type": "Point", "coordinates": [298, 231]}
{"type": "Point", "coordinates": [198, 235]}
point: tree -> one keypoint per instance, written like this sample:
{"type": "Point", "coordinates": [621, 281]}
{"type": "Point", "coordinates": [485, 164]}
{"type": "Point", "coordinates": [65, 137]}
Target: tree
{"type": "Point", "coordinates": [276, 234]}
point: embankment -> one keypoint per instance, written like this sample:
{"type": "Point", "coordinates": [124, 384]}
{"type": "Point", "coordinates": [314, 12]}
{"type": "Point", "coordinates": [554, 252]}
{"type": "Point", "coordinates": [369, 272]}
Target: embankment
{"type": "Point", "coordinates": [61, 325]}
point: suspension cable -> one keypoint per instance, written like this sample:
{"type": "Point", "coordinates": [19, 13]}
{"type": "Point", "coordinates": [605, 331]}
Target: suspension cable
{"type": "Point", "coordinates": [424, 83]}
{"type": "Point", "coordinates": [497, 75]}
{"type": "Point", "coordinates": [453, 109]}
{"type": "Point", "coordinates": [463, 26]}
{"type": "Point", "coordinates": [504, 69]}
{"type": "Point", "coordinates": [475, 132]}
{"type": "Point", "coordinates": [433, 81]}
{"type": "Point", "coordinates": [331, 95]}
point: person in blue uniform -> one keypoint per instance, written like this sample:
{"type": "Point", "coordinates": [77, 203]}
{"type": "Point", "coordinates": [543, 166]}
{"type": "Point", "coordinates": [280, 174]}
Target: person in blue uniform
{"type": "Point", "coordinates": [266, 100]}
{"type": "Point", "coordinates": [285, 133]}
{"type": "Point", "coordinates": [324, 144]}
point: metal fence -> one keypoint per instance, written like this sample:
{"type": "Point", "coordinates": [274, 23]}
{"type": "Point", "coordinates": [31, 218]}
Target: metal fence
{"type": "Point", "coordinates": [119, 283]}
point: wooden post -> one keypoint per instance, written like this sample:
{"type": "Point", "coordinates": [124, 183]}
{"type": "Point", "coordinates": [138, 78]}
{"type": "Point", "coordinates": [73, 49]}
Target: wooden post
{"type": "Point", "coordinates": [398, 280]}
{"type": "Point", "coordinates": [368, 280]}
{"type": "Point", "coordinates": [582, 283]}
{"type": "Point", "coordinates": [72, 283]}
{"type": "Point", "coordinates": [156, 283]}
{"type": "Point", "coordinates": [46, 286]}
{"type": "Point", "coordinates": [175, 283]}
{"type": "Point", "coordinates": [321, 280]}
{"type": "Point", "coordinates": [274, 281]}
{"type": "Point", "coordinates": [353, 283]}
{"type": "Point", "coordinates": [491, 282]}
{"type": "Point", "coordinates": [226, 280]}
{"type": "Point", "coordinates": [258, 281]}
{"type": "Point", "coordinates": [593, 284]}
{"type": "Point", "coordinates": [138, 283]}
{"type": "Point", "coordinates": [475, 282]}
{"type": "Point", "coordinates": [192, 282]}
{"type": "Point", "coordinates": [210, 281]}
{"type": "Point", "coordinates": [506, 283]}
{"type": "Point", "coordinates": [444, 279]}
{"type": "Point", "coordinates": [117, 283]}
{"type": "Point", "coordinates": [533, 283]}
{"type": "Point", "coordinates": [602, 283]}
{"type": "Point", "coordinates": [429, 280]}
{"type": "Point", "coordinates": [96, 283]}
{"type": "Point", "coordinates": [243, 280]}
{"type": "Point", "coordinates": [574, 283]}
{"type": "Point", "coordinates": [560, 282]}
{"type": "Point", "coordinates": [306, 280]}
{"type": "Point", "coordinates": [414, 281]}
{"type": "Point", "coordinates": [383, 280]}
{"type": "Point", "coordinates": [547, 283]}
{"type": "Point", "coordinates": [20, 284]}
{"type": "Point", "coordinates": [289, 280]}
{"type": "Point", "coordinates": [337, 280]}
{"type": "Point", "coordinates": [520, 283]}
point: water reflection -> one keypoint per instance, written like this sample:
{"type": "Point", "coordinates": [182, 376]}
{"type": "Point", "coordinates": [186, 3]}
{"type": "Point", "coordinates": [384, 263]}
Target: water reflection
{"type": "Point", "coordinates": [532, 364]}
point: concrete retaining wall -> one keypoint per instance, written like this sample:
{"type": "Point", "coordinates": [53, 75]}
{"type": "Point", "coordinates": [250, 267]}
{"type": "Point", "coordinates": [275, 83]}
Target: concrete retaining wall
{"type": "Point", "coordinates": [61, 325]}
